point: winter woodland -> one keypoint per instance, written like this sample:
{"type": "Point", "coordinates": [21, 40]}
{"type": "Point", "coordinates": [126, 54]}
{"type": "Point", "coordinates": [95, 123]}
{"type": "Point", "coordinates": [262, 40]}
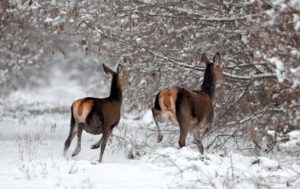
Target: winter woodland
{"type": "Point", "coordinates": [51, 53]}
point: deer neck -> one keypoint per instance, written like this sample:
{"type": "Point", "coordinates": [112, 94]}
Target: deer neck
{"type": "Point", "coordinates": [209, 82]}
{"type": "Point", "coordinates": [115, 89]}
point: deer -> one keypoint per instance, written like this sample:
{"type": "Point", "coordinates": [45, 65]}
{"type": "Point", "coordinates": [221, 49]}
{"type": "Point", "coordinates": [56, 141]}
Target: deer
{"type": "Point", "coordinates": [191, 110]}
{"type": "Point", "coordinates": [97, 115]}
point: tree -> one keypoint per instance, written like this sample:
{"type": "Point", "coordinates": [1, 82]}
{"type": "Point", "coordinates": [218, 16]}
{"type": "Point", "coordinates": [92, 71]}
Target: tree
{"type": "Point", "coordinates": [160, 44]}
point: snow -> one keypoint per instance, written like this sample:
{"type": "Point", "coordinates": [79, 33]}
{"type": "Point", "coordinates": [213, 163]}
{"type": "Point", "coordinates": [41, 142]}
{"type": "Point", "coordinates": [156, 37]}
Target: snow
{"type": "Point", "coordinates": [80, 174]}
{"type": "Point", "coordinates": [296, 21]}
{"type": "Point", "coordinates": [294, 134]}
{"type": "Point", "coordinates": [294, 3]}
{"type": "Point", "coordinates": [294, 141]}
{"type": "Point", "coordinates": [54, 21]}
{"type": "Point", "coordinates": [279, 68]}
{"type": "Point", "coordinates": [35, 123]}
{"type": "Point", "coordinates": [296, 73]}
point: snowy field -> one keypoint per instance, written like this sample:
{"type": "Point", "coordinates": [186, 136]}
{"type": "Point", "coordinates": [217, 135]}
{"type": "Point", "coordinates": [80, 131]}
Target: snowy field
{"type": "Point", "coordinates": [34, 125]}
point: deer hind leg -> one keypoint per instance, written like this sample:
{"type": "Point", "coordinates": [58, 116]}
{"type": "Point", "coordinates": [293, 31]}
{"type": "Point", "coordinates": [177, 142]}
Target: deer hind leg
{"type": "Point", "coordinates": [78, 146]}
{"type": "Point", "coordinates": [103, 143]}
{"type": "Point", "coordinates": [72, 133]}
{"type": "Point", "coordinates": [184, 127]}
{"type": "Point", "coordinates": [182, 136]}
{"type": "Point", "coordinates": [157, 119]}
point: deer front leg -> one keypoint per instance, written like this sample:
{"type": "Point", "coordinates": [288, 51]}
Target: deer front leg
{"type": "Point", "coordinates": [103, 143]}
{"type": "Point", "coordinates": [78, 147]}
{"type": "Point", "coordinates": [198, 139]}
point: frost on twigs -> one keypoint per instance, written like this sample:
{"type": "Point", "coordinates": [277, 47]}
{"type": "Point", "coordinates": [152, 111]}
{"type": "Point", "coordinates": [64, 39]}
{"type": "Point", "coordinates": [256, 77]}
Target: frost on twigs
{"type": "Point", "coordinates": [136, 153]}
{"type": "Point", "coordinates": [51, 53]}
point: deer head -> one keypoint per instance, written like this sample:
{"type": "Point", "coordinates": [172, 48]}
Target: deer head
{"type": "Point", "coordinates": [216, 67]}
{"type": "Point", "coordinates": [119, 75]}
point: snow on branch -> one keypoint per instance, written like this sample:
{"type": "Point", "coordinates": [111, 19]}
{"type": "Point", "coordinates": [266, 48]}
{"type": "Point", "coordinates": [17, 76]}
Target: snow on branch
{"type": "Point", "coordinates": [250, 77]}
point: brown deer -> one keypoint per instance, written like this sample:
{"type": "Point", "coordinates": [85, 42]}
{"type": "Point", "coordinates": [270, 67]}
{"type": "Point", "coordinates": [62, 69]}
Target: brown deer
{"type": "Point", "coordinates": [193, 110]}
{"type": "Point", "coordinates": [97, 115]}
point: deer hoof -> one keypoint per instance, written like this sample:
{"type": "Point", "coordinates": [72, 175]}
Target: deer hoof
{"type": "Point", "coordinates": [95, 146]}
{"type": "Point", "coordinates": [159, 138]}
{"type": "Point", "coordinates": [75, 153]}
{"type": "Point", "coordinates": [94, 162]}
{"type": "Point", "coordinates": [201, 149]}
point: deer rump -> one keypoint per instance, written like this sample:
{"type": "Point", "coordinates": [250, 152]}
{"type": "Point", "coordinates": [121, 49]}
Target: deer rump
{"type": "Point", "coordinates": [192, 111]}
{"type": "Point", "coordinates": [93, 114]}
{"type": "Point", "coordinates": [180, 105]}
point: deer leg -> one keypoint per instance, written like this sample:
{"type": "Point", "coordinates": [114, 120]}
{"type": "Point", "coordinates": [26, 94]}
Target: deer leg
{"type": "Point", "coordinates": [198, 139]}
{"type": "Point", "coordinates": [159, 136]}
{"type": "Point", "coordinates": [103, 143]}
{"type": "Point", "coordinates": [182, 137]}
{"type": "Point", "coordinates": [97, 144]}
{"type": "Point", "coordinates": [78, 147]}
{"type": "Point", "coordinates": [208, 128]}
{"type": "Point", "coordinates": [72, 133]}
{"type": "Point", "coordinates": [158, 132]}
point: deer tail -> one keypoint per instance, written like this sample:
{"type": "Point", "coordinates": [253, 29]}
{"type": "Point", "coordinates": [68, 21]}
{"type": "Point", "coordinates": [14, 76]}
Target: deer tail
{"type": "Point", "coordinates": [72, 123]}
{"type": "Point", "coordinates": [156, 103]}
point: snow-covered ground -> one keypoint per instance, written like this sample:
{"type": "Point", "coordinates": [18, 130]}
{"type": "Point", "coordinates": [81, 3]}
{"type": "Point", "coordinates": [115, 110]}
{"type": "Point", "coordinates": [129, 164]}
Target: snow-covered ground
{"type": "Point", "coordinates": [35, 123]}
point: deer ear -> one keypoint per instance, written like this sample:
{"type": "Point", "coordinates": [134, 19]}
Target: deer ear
{"type": "Point", "coordinates": [217, 59]}
{"type": "Point", "coordinates": [120, 70]}
{"type": "Point", "coordinates": [204, 59]}
{"type": "Point", "coordinates": [107, 70]}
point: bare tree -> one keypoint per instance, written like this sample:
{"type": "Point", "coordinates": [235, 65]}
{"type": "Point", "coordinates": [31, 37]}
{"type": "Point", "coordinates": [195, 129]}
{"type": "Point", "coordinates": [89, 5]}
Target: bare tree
{"type": "Point", "coordinates": [160, 42]}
